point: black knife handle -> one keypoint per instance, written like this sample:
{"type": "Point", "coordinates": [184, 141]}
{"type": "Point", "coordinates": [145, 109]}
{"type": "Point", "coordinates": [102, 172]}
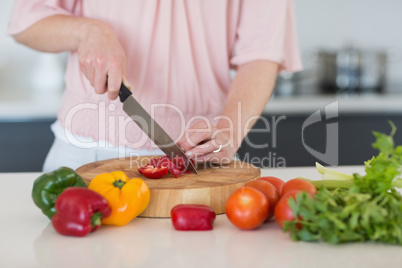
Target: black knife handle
{"type": "Point", "coordinates": [124, 93]}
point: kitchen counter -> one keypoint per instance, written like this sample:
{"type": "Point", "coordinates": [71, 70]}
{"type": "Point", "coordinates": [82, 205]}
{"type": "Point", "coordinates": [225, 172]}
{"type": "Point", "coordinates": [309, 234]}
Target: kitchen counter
{"type": "Point", "coordinates": [28, 240]}
{"type": "Point", "coordinates": [347, 104]}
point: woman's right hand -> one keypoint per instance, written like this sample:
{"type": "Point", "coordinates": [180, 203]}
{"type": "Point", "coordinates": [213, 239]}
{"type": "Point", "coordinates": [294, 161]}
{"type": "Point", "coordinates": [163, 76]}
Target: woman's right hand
{"type": "Point", "coordinates": [102, 59]}
{"type": "Point", "coordinates": [101, 56]}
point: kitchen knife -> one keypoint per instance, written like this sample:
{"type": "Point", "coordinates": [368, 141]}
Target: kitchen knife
{"type": "Point", "coordinates": [154, 131]}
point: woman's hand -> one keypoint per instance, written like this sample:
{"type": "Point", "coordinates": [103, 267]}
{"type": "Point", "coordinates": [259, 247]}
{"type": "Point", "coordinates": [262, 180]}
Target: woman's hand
{"type": "Point", "coordinates": [201, 140]}
{"type": "Point", "coordinates": [102, 58]}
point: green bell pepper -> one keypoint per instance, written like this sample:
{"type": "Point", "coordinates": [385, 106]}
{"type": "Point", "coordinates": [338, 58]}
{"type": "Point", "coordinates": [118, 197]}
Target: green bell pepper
{"type": "Point", "coordinates": [49, 186]}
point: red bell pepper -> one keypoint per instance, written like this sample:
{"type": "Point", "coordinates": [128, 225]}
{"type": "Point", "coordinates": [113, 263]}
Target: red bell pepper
{"type": "Point", "coordinates": [188, 217]}
{"type": "Point", "coordinates": [179, 162]}
{"type": "Point", "coordinates": [79, 211]}
{"type": "Point", "coordinates": [152, 172]}
{"type": "Point", "coordinates": [164, 161]}
{"type": "Point", "coordinates": [181, 165]}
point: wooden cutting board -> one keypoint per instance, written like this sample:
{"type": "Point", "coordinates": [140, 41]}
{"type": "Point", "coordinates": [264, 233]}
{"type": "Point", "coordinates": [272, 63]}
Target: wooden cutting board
{"type": "Point", "coordinates": [211, 187]}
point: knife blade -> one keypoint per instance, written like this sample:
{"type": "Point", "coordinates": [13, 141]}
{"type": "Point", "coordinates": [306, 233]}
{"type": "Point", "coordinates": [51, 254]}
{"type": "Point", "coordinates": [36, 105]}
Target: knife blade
{"type": "Point", "coordinates": [153, 130]}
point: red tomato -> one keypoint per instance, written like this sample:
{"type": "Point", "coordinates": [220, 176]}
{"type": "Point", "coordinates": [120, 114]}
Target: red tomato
{"type": "Point", "coordinates": [282, 210]}
{"type": "Point", "coordinates": [270, 192]}
{"type": "Point", "coordinates": [247, 208]}
{"type": "Point", "coordinates": [278, 183]}
{"type": "Point", "coordinates": [298, 184]}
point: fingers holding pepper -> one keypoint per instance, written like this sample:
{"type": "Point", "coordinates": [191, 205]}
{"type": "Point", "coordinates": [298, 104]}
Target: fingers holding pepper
{"type": "Point", "coordinates": [205, 143]}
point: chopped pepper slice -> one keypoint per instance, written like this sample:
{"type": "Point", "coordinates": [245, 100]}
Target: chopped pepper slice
{"type": "Point", "coordinates": [176, 166]}
{"type": "Point", "coordinates": [79, 212]}
{"type": "Point", "coordinates": [164, 161]}
{"type": "Point", "coordinates": [47, 188]}
{"type": "Point", "coordinates": [152, 172]}
{"type": "Point", "coordinates": [127, 198]}
{"type": "Point", "coordinates": [179, 162]}
{"type": "Point", "coordinates": [190, 217]}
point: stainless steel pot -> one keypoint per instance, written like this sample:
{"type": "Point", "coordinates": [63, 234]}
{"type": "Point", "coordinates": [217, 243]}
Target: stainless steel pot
{"type": "Point", "coordinates": [351, 70]}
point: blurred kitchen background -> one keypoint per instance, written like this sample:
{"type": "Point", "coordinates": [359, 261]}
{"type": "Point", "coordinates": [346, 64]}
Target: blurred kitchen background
{"type": "Point", "coordinates": [352, 54]}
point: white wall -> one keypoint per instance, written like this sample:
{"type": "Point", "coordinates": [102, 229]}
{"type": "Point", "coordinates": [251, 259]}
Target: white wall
{"type": "Point", "coordinates": [371, 24]}
{"type": "Point", "coordinates": [22, 68]}
{"type": "Point", "coordinates": [12, 55]}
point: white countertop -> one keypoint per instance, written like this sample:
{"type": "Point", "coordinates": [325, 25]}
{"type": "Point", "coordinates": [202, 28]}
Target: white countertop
{"type": "Point", "coordinates": [15, 105]}
{"type": "Point", "coordinates": [28, 240]}
{"type": "Point", "coordinates": [347, 104]}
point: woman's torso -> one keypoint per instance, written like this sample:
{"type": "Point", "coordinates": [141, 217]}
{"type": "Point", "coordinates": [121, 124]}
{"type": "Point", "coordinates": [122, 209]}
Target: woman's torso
{"type": "Point", "coordinates": [178, 55]}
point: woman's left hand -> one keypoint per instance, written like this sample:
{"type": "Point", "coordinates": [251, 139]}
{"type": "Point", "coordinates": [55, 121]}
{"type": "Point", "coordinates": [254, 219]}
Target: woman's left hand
{"type": "Point", "coordinates": [206, 143]}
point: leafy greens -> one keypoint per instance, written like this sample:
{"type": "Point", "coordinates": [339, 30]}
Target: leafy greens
{"type": "Point", "coordinates": [354, 208]}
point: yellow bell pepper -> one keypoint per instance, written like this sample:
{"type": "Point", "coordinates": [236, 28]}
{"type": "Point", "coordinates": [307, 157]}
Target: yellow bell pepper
{"type": "Point", "coordinates": [127, 198]}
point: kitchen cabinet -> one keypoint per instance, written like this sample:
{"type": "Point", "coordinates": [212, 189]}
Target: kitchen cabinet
{"type": "Point", "coordinates": [24, 144]}
{"type": "Point", "coordinates": [286, 148]}
{"type": "Point", "coordinates": [25, 135]}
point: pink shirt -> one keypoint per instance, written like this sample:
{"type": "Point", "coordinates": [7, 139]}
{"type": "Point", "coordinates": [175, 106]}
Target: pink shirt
{"type": "Point", "coordinates": [178, 53]}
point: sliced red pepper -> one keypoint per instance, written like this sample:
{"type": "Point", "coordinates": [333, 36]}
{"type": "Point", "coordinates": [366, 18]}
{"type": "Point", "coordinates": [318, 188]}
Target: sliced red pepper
{"type": "Point", "coordinates": [153, 172]}
{"type": "Point", "coordinates": [176, 166]}
{"type": "Point", "coordinates": [188, 217]}
{"type": "Point", "coordinates": [179, 162]}
{"type": "Point", "coordinates": [174, 170]}
{"type": "Point", "coordinates": [79, 211]}
{"type": "Point", "coordinates": [164, 161]}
